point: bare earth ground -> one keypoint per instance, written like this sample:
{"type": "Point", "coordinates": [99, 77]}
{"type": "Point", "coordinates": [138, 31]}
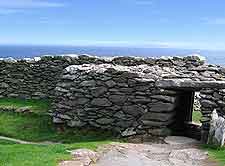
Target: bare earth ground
{"type": "Point", "coordinates": [176, 151]}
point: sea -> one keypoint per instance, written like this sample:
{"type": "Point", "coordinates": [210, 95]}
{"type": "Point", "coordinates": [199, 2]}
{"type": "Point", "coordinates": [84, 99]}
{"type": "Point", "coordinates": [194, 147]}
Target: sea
{"type": "Point", "coordinates": [28, 51]}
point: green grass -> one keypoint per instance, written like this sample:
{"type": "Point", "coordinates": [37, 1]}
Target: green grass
{"type": "Point", "coordinates": [6, 142]}
{"type": "Point", "coordinates": [216, 153]}
{"type": "Point", "coordinates": [32, 155]}
{"type": "Point", "coordinates": [37, 127]}
{"type": "Point", "coordinates": [196, 116]}
{"type": "Point", "coordinates": [37, 106]}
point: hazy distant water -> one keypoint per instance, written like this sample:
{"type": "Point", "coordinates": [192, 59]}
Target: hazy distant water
{"type": "Point", "coordinates": [213, 57]}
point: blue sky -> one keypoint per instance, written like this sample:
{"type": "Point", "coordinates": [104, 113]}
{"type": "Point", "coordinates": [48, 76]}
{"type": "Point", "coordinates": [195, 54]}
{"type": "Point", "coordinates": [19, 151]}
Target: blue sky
{"type": "Point", "coordinates": [148, 23]}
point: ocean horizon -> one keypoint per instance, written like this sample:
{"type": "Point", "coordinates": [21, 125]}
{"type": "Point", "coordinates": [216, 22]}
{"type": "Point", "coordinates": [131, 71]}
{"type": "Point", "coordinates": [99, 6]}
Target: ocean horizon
{"type": "Point", "coordinates": [29, 51]}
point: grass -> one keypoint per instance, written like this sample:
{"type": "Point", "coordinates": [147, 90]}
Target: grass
{"type": "Point", "coordinates": [37, 106]}
{"type": "Point", "coordinates": [34, 127]}
{"type": "Point", "coordinates": [216, 153]}
{"type": "Point", "coordinates": [37, 127]}
{"type": "Point", "coordinates": [196, 116]}
{"type": "Point", "coordinates": [32, 155]}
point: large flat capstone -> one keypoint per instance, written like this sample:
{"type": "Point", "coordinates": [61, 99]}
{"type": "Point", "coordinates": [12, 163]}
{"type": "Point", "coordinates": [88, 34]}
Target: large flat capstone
{"type": "Point", "coordinates": [189, 84]}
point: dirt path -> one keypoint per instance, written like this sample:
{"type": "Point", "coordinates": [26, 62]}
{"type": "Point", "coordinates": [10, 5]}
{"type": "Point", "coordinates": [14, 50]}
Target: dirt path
{"type": "Point", "coordinates": [26, 142]}
{"type": "Point", "coordinates": [177, 151]}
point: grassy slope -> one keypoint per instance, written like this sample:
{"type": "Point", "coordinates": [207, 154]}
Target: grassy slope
{"type": "Point", "coordinates": [37, 126]}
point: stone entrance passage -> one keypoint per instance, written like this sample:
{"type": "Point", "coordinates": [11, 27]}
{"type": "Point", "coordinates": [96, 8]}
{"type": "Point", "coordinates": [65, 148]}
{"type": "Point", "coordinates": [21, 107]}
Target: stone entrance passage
{"type": "Point", "coordinates": [212, 97]}
{"type": "Point", "coordinates": [184, 124]}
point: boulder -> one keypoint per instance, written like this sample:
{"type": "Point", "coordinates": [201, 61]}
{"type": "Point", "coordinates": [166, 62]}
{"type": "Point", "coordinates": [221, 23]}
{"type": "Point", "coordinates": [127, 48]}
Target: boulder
{"type": "Point", "coordinates": [217, 130]}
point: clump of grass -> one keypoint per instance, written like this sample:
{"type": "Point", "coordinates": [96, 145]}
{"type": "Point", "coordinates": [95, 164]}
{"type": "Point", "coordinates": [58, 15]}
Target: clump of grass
{"type": "Point", "coordinates": [216, 153]}
{"type": "Point", "coordinates": [196, 116]}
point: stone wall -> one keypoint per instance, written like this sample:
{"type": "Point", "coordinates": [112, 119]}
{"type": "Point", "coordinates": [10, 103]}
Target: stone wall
{"type": "Point", "coordinates": [37, 78]}
{"type": "Point", "coordinates": [113, 97]}
{"type": "Point", "coordinates": [125, 94]}
{"type": "Point", "coordinates": [211, 99]}
{"type": "Point", "coordinates": [138, 99]}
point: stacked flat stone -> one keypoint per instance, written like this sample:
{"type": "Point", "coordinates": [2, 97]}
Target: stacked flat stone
{"type": "Point", "coordinates": [133, 96]}
{"type": "Point", "coordinates": [36, 78]}
{"type": "Point", "coordinates": [211, 99]}
{"type": "Point", "coordinates": [113, 97]}
{"type": "Point", "coordinates": [127, 94]}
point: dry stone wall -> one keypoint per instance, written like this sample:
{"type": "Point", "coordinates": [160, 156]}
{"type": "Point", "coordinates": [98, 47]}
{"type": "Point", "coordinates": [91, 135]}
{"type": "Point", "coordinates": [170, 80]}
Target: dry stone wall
{"type": "Point", "coordinates": [126, 94]}
{"type": "Point", "coordinates": [113, 97]}
{"type": "Point", "coordinates": [211, 100]}
{"type": "Point", "coordinates": [37, 78]}
{"type": "Point", "coordinates": [138, 99]}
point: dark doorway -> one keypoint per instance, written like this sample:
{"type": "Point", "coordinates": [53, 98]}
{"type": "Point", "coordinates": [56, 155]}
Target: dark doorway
{"type": "Point", "coordinates": [183, 125]}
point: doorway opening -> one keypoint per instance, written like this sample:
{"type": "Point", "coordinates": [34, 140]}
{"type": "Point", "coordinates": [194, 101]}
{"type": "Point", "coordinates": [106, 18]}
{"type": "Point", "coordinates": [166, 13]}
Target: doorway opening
{"type": "Point", "coordinates": [188, 115]}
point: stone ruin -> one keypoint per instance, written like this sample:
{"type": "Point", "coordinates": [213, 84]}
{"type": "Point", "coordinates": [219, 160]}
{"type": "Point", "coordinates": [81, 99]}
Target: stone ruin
{"type": "Point", "coordinates": [130, 96]}
{"type": "Point", "coordinates": [153, 99]}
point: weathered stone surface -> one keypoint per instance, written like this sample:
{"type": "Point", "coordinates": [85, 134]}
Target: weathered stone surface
{"type": "Point", "coordinates": [76, 123]}
{"type": "Point", "coordinates": [118, 99]}
{"type": "Point", "coordinates": [161, 107]}
{"type": "Point", "coordinates": [81, 157]}
{"type": "Point", "coordinates": [164, 98]}
{"type": "Point", "coordinates": [160, 132]}
{"type": "Point", "coordinates": [157, 116]}
{"type": "Point", "coordinates": [110, 83]}
{"type": "Point", "coordinates": [96, 92]}
{"type": "Point", "coordinates": [217, 130]}
{"type": "Point", "coordinates": [104, 121]}
{"type": "Point", "coordinates": [4, 85]}
{"type": "Point", "coordinates": [90, 83]}
{"type": "Point", "coordinates": [151, 123]}
{"type": "Point", "coordinates": [80, 101]}
{"type": "Point", "coordinates": [125, 93]}
{"type": "Point", "coordinates": [134, 110]}
{"type": "Point", "coordinates": [102, 102]}
{"type": "Point", "coordinates": [178, 140]}
{"type": "Point", "coordinates": [189, 84]}
{"type": "Point", "coordinates": [208, 103]}
{"type": "Point", "coordinates": [129, 132]}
